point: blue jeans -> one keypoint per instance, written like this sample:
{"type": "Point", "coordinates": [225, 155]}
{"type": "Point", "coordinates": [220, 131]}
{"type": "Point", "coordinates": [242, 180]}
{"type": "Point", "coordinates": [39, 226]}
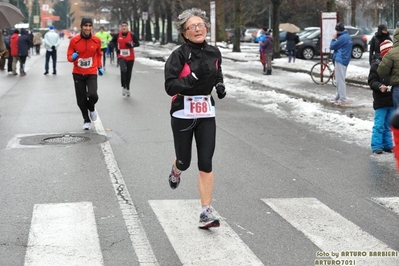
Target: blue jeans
{"type": "Point", "coordinates": [395, 96]}
{"type": "Point", "coordinates": [381, 136]}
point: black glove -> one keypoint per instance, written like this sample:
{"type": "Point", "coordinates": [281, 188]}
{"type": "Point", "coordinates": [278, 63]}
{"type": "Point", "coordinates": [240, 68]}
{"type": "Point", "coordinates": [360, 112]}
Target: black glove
{"type": "Point", "coordinates": [129, 44]}
{"type": "Point", "coordinates": [221, 90]}
{"type": "Point", "coordinates": [201, 71]}
{"type": "Point", "coordinates": [53, 48]}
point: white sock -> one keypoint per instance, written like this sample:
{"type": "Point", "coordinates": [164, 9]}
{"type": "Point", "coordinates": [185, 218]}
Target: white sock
{"type": "Point", "coordinates": [205, 208]}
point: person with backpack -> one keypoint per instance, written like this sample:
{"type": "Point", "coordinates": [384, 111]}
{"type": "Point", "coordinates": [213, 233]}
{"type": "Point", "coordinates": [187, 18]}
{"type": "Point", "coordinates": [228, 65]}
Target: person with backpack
{"type": "Point", "coordinates": [381, 136]}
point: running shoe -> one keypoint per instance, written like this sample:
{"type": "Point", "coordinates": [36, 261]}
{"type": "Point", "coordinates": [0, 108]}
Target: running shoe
{"type": "Point", "coordinates": [208, 220]}
{"type": "Point", "coordinates": [93, 115]}
{"type": "Point", "coordinates": [124, 92]}
{"type": "Point", "coordinates": [174, 179]}
{"type": "Point", "coordinates": [86, 126]}
{"type": "Point", "coordinates": [127, 93]}
{"type": "Point", "coordinates": [333, 100]}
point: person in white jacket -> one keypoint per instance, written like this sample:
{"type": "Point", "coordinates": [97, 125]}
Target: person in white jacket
{"type": "Point", "coordinates": [51, 43]}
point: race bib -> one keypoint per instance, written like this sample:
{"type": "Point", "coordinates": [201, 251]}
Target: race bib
{"type": "Point", "coordinates": [198, 106]}
{"type": "Point", "coordinates": [85, 62]}
{"type": "Point", "coordinates": [125, 52]}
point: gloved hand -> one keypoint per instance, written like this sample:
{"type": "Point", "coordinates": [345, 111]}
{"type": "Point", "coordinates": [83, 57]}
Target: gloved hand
{"type": "Point", "coordinates": [53, 48]}
{"type": "Point", "coordinates": [100, 71]}
{"type": "Point", "coordinates": [75, 55]}
{"type": "Point", "coordinates": [129, 44]}
{"type": "Point", "coordinates": [220, 90]}
{"type": "Point", "coordinates": [201, 71]}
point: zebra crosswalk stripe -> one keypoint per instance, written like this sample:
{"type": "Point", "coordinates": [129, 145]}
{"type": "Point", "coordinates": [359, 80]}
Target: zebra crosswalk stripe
{"type": "Point", "coordinates": [194, 246]}
{"type": "Point", "coordinates": [330, 231]}
{"type": "Point", "coordinates": [63, 234]}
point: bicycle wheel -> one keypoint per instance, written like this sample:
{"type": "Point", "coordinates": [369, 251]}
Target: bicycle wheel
{"type": "Point", "coordinates": [315, 73]}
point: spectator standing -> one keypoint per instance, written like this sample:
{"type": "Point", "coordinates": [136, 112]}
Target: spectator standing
{"type": "Point", "coordinates": [291, 39]}
{"type": "Point", "coordinates": [381, 35]}
{"type": "Point", "coordinates": [191, 73]}
{"type": "Point", "coordinates": [125, 41]}
{"type": "Point", "coordinates": [267, 47]}
{"type": "Point", "coordinates": [24, 45]}
{"type": "Point", "coordinates": [381, 136]}
{"type": "Point", "coordinates": [342, 46]}
{"type": "Point", "coordinates": [260, 39]}
{"type": "Point", "coordinates": [37, 41]}
{"type": "Point", "coordinates": [105, 38]}
{"type": "Point", "coordinates": [84, 51]}
{"type": "Point", "coordinates": [14, 51]}
{"type": "Point", "coordinates": [51, 43]}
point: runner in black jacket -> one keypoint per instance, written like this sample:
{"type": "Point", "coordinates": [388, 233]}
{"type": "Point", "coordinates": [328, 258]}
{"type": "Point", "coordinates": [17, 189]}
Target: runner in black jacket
{"type": "Point", "coordinates": [191, 73]}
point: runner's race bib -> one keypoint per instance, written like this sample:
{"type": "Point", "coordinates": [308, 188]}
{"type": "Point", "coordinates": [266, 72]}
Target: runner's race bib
{"type": "Point", "coordinates": [125, 52]}
{"type": "Point", "coordinates": [85, 62]}
{"type": "Point", "coordinates": [198, 106]}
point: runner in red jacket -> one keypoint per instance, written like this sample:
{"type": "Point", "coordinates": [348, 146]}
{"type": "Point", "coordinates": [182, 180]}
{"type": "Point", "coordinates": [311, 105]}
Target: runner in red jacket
{"type": "Point", "coordinates": [84, 51]}
{"type": "Point", "coordinates": [125, 41]}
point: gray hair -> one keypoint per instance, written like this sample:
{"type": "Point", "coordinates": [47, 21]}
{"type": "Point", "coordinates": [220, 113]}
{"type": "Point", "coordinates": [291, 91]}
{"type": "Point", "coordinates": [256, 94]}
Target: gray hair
{"type": "Point", "coordinates": [188, 13]}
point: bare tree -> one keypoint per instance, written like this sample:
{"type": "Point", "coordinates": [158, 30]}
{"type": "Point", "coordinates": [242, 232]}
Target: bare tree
{"type": "Point", "coordinates": [237, 25]}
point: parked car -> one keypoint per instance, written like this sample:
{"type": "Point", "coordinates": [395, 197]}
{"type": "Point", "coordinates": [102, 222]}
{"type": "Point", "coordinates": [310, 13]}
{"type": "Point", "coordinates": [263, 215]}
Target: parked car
{"type": "Point", "coordinates": [247, 35]}
{"type": "Point", "coordinates": [302, 34]}
{"type": "Point", "coordinates": [229, 35]}
{"type": "Point", "coordinates": [310, 44]}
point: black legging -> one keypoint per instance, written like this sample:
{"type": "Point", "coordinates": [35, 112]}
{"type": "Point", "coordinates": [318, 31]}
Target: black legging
{"type": "Point", "coordinates": [204, 130]}
{"type": "Point", "coordinates": [126, 68]}
{"type": "Point", "coordinates": [86, 93]}
{"type": "Point", "coordinates": [104, 55]}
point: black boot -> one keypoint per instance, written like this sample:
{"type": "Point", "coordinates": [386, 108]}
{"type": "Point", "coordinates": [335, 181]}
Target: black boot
{"type": "Point", "coordinates": [268, 72]}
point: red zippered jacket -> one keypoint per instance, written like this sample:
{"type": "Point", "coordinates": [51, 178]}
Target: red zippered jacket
{"type": "Point", "coordinates": [14, 44]}
{"type": "Point", "coordinates": [90, 54]}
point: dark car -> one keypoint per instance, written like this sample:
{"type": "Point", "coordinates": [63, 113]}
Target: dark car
{"type": "Point", "coordinates": [310, 45]}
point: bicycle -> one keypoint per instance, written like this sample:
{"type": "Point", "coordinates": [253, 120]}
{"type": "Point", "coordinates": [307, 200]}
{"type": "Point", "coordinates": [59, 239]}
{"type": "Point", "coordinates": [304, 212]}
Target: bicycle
{"type": "Point", "coordinates": [322, 72]}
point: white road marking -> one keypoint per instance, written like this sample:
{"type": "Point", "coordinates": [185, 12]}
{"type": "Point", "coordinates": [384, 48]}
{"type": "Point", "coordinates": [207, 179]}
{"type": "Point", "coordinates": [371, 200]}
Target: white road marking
{"type": "Point", "coordinates": [391, 203]}
{"type": "Point", "coordinates": [330, 231]}
{"type": "Point", "coordinates": [63, 234]}
{"type": "Point", "coordinates": [139, 240]}
{"type": "Point", "coordinates": [194, 246]}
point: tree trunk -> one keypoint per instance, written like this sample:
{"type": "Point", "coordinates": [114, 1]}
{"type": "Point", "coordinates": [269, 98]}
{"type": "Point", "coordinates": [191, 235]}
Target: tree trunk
{"type": "Point", "coordinates": [353, 12]}
{"type": "Point", "coordinates": [275, 24]}
{"type": "Point", "coordinates": [237, 25]}
{"type": "Point", "coordinates": [331, 6]}
{"type": "Point", "coordinates": [220, 21]}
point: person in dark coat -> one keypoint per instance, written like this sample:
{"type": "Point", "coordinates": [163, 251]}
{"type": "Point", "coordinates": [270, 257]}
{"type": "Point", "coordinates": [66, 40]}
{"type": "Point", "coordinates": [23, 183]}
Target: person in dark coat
{"type": "Point", "coordinates": [292, 39]}
{"type": "Point", "coordinates": [381, 136]}
{"type": "Point", "coordinates": [24, 44]}
{"type": "Point", "coordinates": [268, 50]}
{"type": "Point", "coordinates": [381, 35]}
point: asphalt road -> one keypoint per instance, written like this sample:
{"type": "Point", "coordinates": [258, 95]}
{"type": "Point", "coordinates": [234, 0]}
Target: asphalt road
{"type": "Point", "coordinates": [287, 194]}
